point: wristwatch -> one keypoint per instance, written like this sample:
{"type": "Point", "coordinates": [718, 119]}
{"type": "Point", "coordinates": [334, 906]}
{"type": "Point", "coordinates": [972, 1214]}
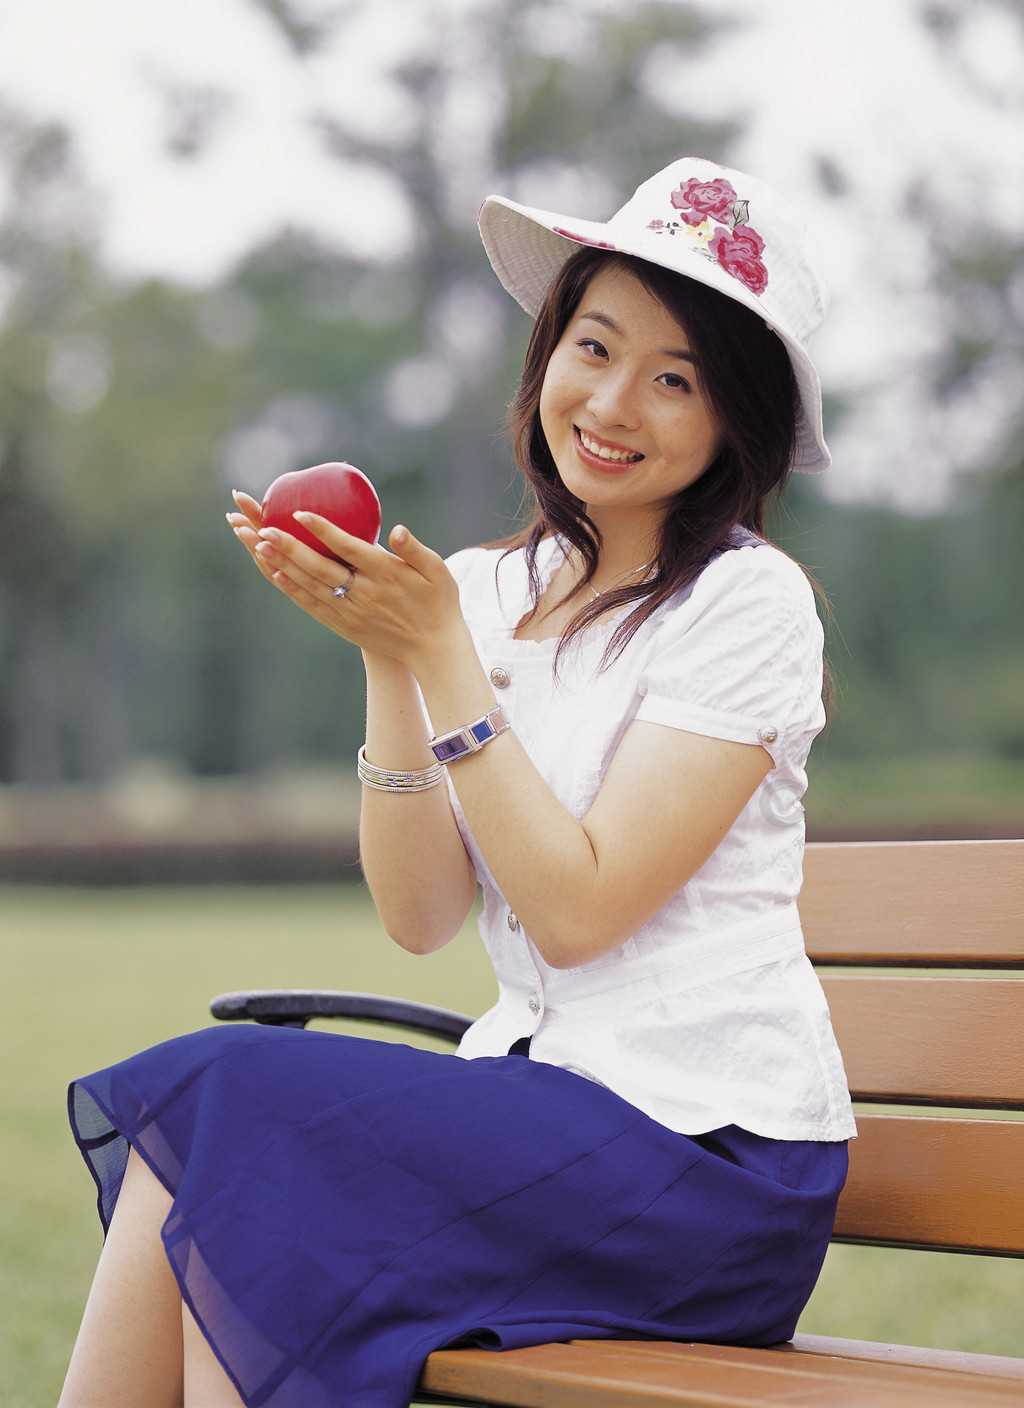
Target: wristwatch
{"type": "Point", "coordinates": [449, 747]}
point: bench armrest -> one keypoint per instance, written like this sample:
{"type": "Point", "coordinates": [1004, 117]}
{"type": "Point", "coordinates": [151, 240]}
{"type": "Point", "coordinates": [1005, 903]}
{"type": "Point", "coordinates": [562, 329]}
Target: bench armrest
{"type": "Point", "coordinates": [295, 1009]}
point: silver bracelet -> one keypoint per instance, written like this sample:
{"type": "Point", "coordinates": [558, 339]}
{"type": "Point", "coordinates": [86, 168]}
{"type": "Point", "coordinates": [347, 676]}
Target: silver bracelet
{"type": "Point", "coordinates": [392, 780]}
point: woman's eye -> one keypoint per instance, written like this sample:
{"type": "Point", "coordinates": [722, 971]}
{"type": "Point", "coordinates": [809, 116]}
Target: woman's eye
{"type": "Point", "coordinates": [675, 381]}
{"type": "Point", "coordinates": [592, 345]}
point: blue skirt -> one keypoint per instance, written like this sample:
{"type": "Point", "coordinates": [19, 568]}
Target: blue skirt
{"type": "Point", "coordinates": [343, 1207]}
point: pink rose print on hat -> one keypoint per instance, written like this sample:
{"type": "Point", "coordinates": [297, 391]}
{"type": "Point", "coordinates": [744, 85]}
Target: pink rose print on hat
{"type": "Point", "coordinates": [739, 253]}
{"type": "Point", "coordinates": [715, 218]}
{"type": "Point", "coordinates": [698, 199]}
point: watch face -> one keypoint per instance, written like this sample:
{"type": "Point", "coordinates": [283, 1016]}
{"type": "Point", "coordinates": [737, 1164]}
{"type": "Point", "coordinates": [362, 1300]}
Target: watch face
{"type": "Point", "coordinates": [469, 739]}
{"type": "Point", "coordinates": [448, 748]}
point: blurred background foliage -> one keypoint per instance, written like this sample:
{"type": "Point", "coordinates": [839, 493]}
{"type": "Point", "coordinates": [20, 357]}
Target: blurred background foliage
{"type": "Point", "coordinates": [133, 628]}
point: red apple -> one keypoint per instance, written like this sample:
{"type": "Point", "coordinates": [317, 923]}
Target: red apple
{"type": "Point", "coordinates": [336, 491]}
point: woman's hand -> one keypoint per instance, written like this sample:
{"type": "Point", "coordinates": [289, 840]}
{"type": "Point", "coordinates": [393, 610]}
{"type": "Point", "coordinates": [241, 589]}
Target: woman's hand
{"type": "Point", "coordinates": [246, 524]}
{"type": "Point", "coordinates": [403, 604]}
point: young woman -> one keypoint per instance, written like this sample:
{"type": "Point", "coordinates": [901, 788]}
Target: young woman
{"type": "Point", "coordinates": [605, 725]}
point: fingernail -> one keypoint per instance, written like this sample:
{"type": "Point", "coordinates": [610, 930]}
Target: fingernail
{"type": "Point", "coordinates": [270, 535]}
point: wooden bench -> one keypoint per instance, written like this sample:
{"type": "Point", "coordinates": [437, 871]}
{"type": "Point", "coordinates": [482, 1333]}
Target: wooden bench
{"type": "Point", "coordinates": [933, 1036]}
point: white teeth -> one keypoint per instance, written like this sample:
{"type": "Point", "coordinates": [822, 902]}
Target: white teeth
{"type": "Point", "coordinates": [605, 452]}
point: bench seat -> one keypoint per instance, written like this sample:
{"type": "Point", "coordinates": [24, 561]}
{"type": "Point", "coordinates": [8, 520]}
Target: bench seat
{"type": "Point", "coordinates": [895, 930]}
{"type": "Point", "coordinates": [809, 1373]}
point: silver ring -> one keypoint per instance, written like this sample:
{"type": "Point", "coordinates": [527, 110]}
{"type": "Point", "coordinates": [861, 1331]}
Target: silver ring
{"type": "Point", "coordinates": [342, 592]}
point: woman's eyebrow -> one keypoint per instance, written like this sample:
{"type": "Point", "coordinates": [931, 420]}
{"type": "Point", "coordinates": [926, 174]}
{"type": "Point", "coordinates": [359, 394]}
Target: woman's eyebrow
{"type": "Point", "coordinates": [595, 315]}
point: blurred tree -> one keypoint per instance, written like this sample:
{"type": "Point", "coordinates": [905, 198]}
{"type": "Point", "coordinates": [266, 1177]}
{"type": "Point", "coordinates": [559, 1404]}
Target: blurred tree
{"type": "Point", "coordinates": [110, 401]}
{"type": "Point", "coordinates": [929, 640]}
{"type": "Point", "coordinates": [546, 99]}
{"type": "Point", "coordinates": [44, 567]}
{"type": "Point", "coordinates": [127, 624]}
{"type": "Point", "coordinates": [131, 625]}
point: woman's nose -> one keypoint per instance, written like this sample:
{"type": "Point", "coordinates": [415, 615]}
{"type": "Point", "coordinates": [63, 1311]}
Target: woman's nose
{"type": "Point", "coordinates": [613, 400]}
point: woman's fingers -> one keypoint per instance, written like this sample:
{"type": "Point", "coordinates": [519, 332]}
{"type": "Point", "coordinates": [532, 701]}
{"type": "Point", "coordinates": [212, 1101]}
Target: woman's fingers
{"type": "Point", "coordinates": [392, 602]}
{"type": "Point", "coordinates": [246, 523]}
{"type": "Point", "coordinates": [249, 508]}
{"type": "Point", "coordinates": [428, 563]}
{"type": "Point", "coordinates": [248, 536]}
{"type": "Point", "coordinates": [311, 580]}
{"type": "Point", "coordinates": [351, 549]}
{"type": "Point", "coordinates": [317, 566]}
{"type": "Point", "coordinates": [362, 555]}
{"type": "Point", "coordinates": [272, 550]}
{"type": "Point", "coordinates": [290, 564]}
{"type": "Point", "coordinates": [306, 576]}
{"type": "Point", "coordinates": [312, 592]}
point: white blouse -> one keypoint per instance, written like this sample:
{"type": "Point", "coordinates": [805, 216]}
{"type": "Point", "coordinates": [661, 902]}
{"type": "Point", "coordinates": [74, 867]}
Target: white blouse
{"type": "Point", "coordinates": [711, 1013]}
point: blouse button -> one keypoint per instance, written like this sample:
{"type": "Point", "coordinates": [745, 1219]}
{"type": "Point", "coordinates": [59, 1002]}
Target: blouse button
{"type": "Point", "coordinates": [533, 1002]}
{"type": "Point", "coordinates": [768, 734]}
{"type": "Point", "coordinates": [501, 679]}
{"type": "Point", "coordinates": [513, 922]}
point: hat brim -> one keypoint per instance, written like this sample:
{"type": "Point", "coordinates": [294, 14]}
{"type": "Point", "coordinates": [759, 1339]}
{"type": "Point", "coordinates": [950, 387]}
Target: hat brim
{"type": "Point", "coordinates": [527, 247]}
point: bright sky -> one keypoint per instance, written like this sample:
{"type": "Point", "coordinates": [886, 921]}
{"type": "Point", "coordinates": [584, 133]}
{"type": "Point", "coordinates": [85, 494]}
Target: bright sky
{"type": "Point", "coordinates": [862, 83]}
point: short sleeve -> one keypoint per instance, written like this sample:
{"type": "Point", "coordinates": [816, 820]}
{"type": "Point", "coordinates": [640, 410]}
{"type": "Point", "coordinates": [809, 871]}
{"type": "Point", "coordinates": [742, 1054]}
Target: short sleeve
{"type": "Point", "coordinates": [474, 571]}
{"type": "Point", "coordinates": [741, 657]}
{"type": "Point", "coordinates": [462, 563]}
{"type": "Point", "coordinates": [493, 587]}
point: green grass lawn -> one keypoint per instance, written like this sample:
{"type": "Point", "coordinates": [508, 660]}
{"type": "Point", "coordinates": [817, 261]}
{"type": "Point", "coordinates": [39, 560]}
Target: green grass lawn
{"type": "Point", "coordinates": [95, 975]}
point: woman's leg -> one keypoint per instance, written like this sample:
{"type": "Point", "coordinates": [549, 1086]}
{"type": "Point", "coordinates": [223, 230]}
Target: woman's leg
{"type": "Point", "coordinates": [129, 1348]}
{"type": "Point", "coordinates": [206, 1384]}
{"type": "Point", "coordinates": [139, 1346]}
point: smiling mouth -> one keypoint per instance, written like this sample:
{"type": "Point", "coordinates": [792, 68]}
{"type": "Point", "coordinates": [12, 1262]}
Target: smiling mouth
{"type": "Point", "coordinates": [610, 454]}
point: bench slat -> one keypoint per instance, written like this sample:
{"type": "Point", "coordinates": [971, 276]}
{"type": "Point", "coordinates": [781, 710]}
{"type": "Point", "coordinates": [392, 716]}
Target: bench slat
{"type": "Point", "coordinates": [939, 1041]}
{"type": "Point", "coordinates": [951, 1360]}
{"type": "Point", "coordinates": [656, 1374]}
{"type": "Point", "coordinates": [949, 1184]}
{"type": "Point", "coordinates": [906, 902]}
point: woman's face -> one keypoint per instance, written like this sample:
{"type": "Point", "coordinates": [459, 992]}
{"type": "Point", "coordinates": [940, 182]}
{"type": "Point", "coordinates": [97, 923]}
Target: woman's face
{"type": "Point", "coordinates": [621, 406]}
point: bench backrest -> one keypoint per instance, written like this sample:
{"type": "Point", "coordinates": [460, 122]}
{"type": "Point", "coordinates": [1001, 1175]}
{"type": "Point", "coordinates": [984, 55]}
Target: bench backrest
{"type": "Point", "coordinates": [929, 1037]}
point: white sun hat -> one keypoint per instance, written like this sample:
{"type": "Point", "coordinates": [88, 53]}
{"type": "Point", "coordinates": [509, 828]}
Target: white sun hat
{"type": "Point", "coordinates": [715, 225]}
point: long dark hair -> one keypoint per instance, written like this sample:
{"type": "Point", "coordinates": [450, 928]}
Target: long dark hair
{"type": "Point", "coordinates": [746, 375]}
